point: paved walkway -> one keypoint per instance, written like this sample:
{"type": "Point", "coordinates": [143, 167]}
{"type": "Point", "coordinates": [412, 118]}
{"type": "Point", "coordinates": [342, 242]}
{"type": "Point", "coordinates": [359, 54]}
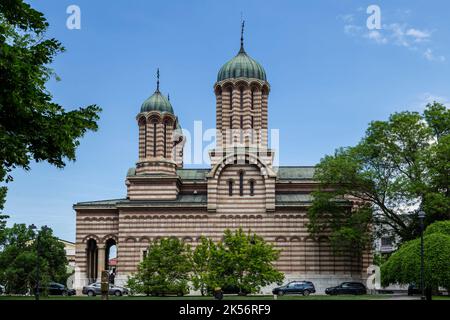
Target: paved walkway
{"type": "Point", "coordinates": [403, 297]}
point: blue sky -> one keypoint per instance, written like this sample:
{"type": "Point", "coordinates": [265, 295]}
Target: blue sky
{"type": "Point", "coordinates": [330, 76]}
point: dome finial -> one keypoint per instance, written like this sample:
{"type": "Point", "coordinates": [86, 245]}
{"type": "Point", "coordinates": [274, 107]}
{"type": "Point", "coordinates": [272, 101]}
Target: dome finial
{"type": "Point", "coordinates": [157, 80]}
{"type": "Point", "coordinates": [168, 97]}
{"type": "Point", "coordinates": [242, 36]}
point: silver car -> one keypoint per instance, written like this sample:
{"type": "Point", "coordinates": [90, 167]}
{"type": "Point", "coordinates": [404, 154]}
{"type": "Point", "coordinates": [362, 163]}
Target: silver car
{"type": "Point", "coordinates": [96, 288]}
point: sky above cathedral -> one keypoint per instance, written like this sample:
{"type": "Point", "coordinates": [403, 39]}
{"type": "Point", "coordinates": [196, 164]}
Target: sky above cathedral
{"type": "Point", "coordinates": [332, 66]}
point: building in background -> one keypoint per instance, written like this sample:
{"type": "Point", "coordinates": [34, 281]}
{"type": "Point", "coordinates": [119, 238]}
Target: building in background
{"type": "Point", "coordinates": [69, 247]}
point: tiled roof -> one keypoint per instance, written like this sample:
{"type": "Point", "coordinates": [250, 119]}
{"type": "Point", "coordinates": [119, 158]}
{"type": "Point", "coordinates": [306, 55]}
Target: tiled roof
{"type": "Point", "coordinates": [193, 174]}
{"type": "Point", "coordinates": [283, 173]}
{"type": "Point", "coordinates": [188, 200]}
{"type": "Point", "coordinates": [182, 199]}
{"type": "Point", "coordinates": [295, 172]}
{"type": "Point", "coordinates": [293, 198]}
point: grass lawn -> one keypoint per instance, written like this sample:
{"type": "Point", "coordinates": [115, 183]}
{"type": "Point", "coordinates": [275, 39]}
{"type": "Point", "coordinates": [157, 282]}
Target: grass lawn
{"type": "Point", "coordinates": [226, 298]}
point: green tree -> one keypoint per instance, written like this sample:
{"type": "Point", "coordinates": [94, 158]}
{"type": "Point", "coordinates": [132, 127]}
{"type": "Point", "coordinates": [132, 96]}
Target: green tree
{"type": "Point", "coordinates": [32, 126]}
{"type": "Point", "coordinates": [19, 258]}
{"type": "Point", "coordinates": [401, 165]}
{"type": "Point", "coordinates": [403, 266]}
{"type": "Point", "coordinates": [165, 269]}
{"type": "Point", "coordinates": [201, 264]}
{"type": "Point", "coordinates": [245, 261]}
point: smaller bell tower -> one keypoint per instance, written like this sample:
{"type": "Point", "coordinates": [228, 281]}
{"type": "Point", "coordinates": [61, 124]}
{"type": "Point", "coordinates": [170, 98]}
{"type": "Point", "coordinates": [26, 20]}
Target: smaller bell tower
{"type": "Point", "coordinates": [161, 145]}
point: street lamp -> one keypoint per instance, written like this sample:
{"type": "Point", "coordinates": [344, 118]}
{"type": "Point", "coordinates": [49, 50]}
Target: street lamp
{"type": "Point", "coordinates": [36, 290]}
{"type": "Point", "coordinates": [422, 282]}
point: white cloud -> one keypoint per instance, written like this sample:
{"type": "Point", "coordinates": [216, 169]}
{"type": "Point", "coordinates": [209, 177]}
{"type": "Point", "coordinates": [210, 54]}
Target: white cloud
{"type": "Point", "coordinates": [347, 18]}
{"type": "Point", "coordinates": [427, 98]}
{"type": "Point", "coordinates": [376, 36]}
{"type": "Point", "coordinates": [395, 33]}
{"type": "Point", "coordinates": [418, 35]}
{"type": "Point", "coordinates": [352, 30]}
{"type": "Point", "coordinates": [430, 56]}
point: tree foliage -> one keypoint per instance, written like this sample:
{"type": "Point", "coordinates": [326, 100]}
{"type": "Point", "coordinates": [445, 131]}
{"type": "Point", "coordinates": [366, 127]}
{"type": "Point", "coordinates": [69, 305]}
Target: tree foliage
{"type": "Point", "coordinates": [21, 254]}
{"type": "Point", "coordinates": [399, 167]}
{"type": "Point", "coordinates": [32, 126]}
{"type": "Point", "coordinates": [165, 269]}
{"type": "Point", "coordinates": [403, 266]}
{"type": "Point", "coordinates": [241, 260]}
{"type": "Point", "coordinates": [202, 263]}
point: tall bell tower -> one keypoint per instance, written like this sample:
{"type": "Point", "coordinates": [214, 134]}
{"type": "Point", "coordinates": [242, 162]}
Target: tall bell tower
{"type": "Point", "coordinates": [242, 93]}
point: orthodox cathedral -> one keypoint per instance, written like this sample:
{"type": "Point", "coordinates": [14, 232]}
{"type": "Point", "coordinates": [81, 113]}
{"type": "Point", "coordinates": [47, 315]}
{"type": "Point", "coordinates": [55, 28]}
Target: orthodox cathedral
{"type": "Point", "coordinates": [240, 189]}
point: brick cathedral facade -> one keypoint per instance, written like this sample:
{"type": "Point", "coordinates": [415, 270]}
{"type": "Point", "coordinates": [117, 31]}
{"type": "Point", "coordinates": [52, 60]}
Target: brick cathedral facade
{"type": "Point", "coordinates": [242, 188]}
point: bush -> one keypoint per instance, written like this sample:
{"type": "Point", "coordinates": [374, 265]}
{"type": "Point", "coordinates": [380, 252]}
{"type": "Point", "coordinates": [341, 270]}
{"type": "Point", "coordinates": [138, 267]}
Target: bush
{"type": "Point", "coordinates": [403, 266]}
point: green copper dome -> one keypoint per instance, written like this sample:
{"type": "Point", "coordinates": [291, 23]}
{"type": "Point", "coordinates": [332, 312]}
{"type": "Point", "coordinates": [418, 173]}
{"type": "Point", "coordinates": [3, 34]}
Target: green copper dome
{"type": "Point", "coordinates": [241, 66]}
{"type": "Point", "coordinates": [157, 102]}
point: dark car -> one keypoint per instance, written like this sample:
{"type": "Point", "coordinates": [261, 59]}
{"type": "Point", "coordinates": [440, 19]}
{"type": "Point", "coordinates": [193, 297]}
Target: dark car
{"type": "Point", "coordinates": [347, 288]}
{"type": "Point", "coordinates": [229, 289]}
{"type": "Point", "coordinates": [295, 287]}
{"type": "Point", "coordinates": [414, 289]}
{"type": "Point", "coordinates": [177, 291]}
{"type": "Point", "coordinates": [56, 289]}
{"type": "Point", "coordinates": [96, 288]}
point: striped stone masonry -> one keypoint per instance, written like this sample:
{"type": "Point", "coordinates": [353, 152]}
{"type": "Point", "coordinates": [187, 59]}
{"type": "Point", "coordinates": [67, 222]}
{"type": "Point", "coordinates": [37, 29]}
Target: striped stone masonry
{"type": "Point", "coordinates": [241, 189]}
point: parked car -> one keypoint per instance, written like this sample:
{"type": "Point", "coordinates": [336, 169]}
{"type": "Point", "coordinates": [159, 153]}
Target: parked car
{"type": "Point", "coordinates": [295, 287]}
{"type": "Point", "coordinates": [230, 289]}
{"type": "Point", "coordinates": [176, 291]}
{"type": "Point", "coordinates": [96, 288]}
{"type": "Point", "coordinates": [414, 289]}
{"type": "Point", "coordinates": [347, 288]}
{"type": "Point", "coordinates": [56, 289]}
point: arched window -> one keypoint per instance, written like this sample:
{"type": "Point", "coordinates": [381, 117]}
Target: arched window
{"type": "Point", "coordinates": [231, 99]}
{"type": "Point", "coordinates": [143, 131]}
{"type": "Point", "coordinates": [253, 98]}
{"type": "Point", "coordinates": [230, 187]}
{"type": "Point", "coordinates": [242, 121]}
{"type": "Point", "coordinates": [241, 98]}
{"type": "Point", "coordinates": [241, 183]}
{"type": "Point", "coordinates": [231, 122]}
{"type": "Point", "coordinates": [154, 138]}
{"type": "Point", "coordinates": [253, 122]}
{"type": "Point", "coordinates": [145, 140]}
{"type": "Point", "coordinates": [165, 139]}
{"type": "Point", "coordinates": [252, 187]}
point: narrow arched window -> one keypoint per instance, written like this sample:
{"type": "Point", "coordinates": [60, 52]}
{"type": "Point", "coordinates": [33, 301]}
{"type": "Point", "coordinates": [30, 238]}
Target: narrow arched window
{"type": "Point", "coordinates": [230, 187]}
{"type": "Point", "coordinates": [154, 139]}
{"type": "Point", "coordinates": [252, 187]}
{"type": "Point", "coordinates": [165, 139]}
{"type": "Point", "coordinates": [145, 141]}
{"type": "Point", "coordinates": [242, 121]}
{"type": "Point", "coordinates": [253, 122]}
{"type": "Point", "coordinates": [231, 122]}
{"type": "Point", "coordinates": [241, 183]}
{"type": "Point", "coordinates": [253, 99]}
{"type": "Point", "coordinates": [242, 98]}
{"type": "Point", "coordinates": [231, 98]}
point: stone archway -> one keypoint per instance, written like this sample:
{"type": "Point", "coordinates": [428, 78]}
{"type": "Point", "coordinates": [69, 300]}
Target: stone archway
{"type": "Point", "coordinates": [92, 260]}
